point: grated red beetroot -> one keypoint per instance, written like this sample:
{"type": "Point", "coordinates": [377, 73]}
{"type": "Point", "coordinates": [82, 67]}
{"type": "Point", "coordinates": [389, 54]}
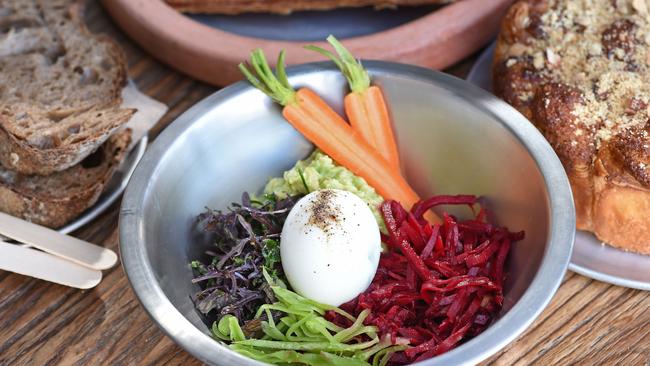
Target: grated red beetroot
{"type": "Point", "coordinates": [438, 285]}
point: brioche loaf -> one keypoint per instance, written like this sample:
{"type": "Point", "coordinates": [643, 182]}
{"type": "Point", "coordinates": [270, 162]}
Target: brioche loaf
{"type": "Point", "coordinates": [580, 71]}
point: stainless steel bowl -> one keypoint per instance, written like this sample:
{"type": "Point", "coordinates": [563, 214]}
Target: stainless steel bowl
{"type": "Point", "coordinates": [453, 138]}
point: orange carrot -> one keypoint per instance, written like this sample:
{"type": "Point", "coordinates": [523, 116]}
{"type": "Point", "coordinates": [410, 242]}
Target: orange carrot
{"type": "Point", "coordinates": [320, 124]}
{"type": "Point", "coordinates": [365, 105]}
{"type": "Point", "coordinates": [368, 114]}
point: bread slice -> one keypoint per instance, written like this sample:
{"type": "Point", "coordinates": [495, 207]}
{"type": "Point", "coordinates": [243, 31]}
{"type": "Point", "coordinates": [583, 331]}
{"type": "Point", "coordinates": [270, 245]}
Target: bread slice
{"type": "Point", "coordinates": [580, 71]}
{"type": "Point", "coordinates": [285, 6]}
{"type": "Point", "coordinates": [56, 199]}
{"type": "Point", "coordinates": [60, 86]}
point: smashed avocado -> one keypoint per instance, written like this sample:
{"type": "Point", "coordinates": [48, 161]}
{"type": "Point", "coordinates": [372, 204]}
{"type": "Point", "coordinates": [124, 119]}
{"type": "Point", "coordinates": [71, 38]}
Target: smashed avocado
{"type": "Point", "coordinates": [319, 171]}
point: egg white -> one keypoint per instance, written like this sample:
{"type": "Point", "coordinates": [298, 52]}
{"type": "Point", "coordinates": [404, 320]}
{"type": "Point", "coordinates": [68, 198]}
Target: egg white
{"type": "Point", "coordinates": [330, 246]}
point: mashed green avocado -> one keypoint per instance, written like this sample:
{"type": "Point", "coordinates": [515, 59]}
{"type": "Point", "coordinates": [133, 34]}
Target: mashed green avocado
{"type": "Point", "coordinates": [319, 172]}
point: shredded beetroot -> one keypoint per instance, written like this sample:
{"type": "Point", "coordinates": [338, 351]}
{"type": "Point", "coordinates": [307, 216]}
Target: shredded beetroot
{"type": "Point", "coordinates": [438, 285]}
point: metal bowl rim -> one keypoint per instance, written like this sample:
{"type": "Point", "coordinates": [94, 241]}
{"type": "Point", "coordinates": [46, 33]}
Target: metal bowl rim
{"type": "Point", "coordinates": [544, 285]}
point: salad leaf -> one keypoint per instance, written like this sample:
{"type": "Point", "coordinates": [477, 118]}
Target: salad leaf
{"type": "Point", "coordinates": [246, 238]}
{"type": "Point", "coordinates": [271, 254]}
{"type": "Point", "coordinates": [303, 336]}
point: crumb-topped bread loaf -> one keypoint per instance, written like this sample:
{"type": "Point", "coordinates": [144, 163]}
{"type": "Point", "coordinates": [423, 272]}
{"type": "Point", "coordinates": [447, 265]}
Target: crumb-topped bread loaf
{"type": "Point", "coordinates": [285, 6]}
{"type": "Point", "coordinates": [60, 86]}
{"type": "Point", "coordinates": [580, 71]}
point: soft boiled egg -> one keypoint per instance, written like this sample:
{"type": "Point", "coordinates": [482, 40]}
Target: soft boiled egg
{"type": "Point", "coordinates": [330, 246]}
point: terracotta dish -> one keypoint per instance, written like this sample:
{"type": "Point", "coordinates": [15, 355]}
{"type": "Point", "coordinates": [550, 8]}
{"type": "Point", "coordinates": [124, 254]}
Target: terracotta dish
{"type": "Point", "coordinates": [435, 40]}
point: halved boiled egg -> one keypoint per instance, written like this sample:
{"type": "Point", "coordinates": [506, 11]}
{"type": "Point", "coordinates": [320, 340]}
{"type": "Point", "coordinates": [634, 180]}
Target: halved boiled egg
{"type": "Point", "coordinates": [330, 246]}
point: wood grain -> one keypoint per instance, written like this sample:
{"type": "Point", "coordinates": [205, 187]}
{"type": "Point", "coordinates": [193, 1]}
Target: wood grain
{"type": "Point", "coordinates": [587, 323]}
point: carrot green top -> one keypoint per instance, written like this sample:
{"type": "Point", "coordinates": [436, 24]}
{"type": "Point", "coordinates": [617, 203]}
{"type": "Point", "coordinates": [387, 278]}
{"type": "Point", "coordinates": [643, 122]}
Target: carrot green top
{"type": "Point", "coordinates": [357, 76]}
{"type": "Point", "coordinates": [262, 77]}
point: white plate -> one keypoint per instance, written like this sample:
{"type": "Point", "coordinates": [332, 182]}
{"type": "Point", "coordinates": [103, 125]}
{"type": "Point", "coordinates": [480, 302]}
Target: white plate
{"type": "Point", "coordinates": [590, 257]}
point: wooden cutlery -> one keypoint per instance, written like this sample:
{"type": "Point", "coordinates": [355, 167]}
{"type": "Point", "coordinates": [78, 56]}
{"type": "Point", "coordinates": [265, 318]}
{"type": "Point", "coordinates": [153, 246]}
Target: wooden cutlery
{"type": "Point", "coordinates": [54, 257]}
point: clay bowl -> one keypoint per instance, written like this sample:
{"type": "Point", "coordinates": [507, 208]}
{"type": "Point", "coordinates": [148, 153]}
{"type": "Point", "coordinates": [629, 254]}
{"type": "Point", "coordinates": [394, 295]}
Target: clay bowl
{"type": "Point", "coordinates": [435, 40]}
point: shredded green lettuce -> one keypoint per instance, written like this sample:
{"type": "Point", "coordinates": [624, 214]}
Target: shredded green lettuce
{"type": "Point", "coordinates": [303, 336]}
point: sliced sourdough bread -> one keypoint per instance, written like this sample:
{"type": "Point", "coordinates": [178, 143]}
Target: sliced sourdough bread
{"type": "Point", "coordinates": [56, 199]}
{"type": "Point", "coordinates": [60, 86]}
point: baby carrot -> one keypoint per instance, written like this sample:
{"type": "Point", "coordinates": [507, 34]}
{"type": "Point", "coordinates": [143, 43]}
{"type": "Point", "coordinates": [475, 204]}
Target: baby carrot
{"type": "Point", "coordinates": [365, 105]}
{"type": "Point", "coordinates": [319, 123]}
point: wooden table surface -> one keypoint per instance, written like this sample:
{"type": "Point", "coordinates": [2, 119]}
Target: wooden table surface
{"type": "Point", "coordinates": [587, 323]}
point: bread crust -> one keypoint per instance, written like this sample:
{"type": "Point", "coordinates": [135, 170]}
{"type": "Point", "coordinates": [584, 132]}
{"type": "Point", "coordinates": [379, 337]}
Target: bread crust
{"type": "Point", "coordinates": [285, 6]}
{"type": "Point", "coordinates": [17, 155]}
{"type": "Point", "coordinates": [580, 71]}
{"type": "Point", "coordinates": [621, 207]}
{"type": "Point", "coordinates": [55, 200]}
